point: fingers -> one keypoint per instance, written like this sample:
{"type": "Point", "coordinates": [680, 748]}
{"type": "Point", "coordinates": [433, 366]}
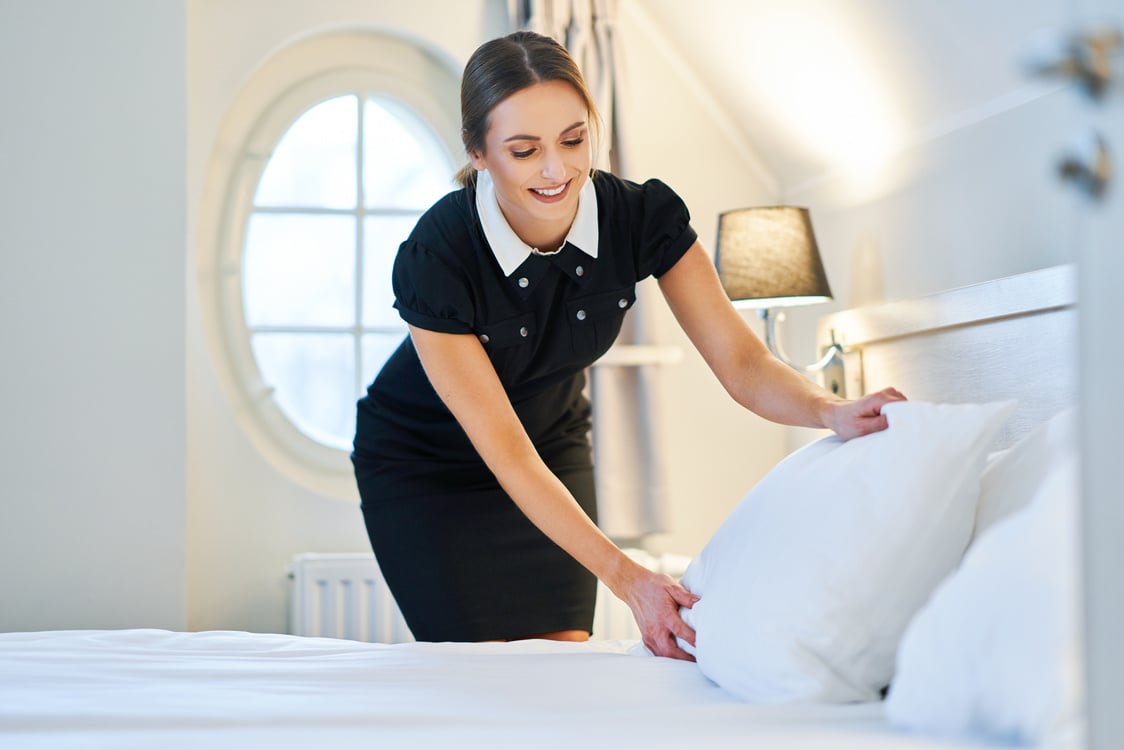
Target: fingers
{"type": "Point", "coordinates": [864, 416]}
{"type": "Point", "coordinates": [673, 627]}
{"type": "Point", "coordinates": [677, 653]}
{"type": "Point", "coordinates": [874, 424]}
{"type": "Point", "coordinates": [888, 395]}
{"type": "Point", "coordinates": [861, 418]}
{"type": "Point", "coordinates": [668, 647]}
{"type": "Point", "coordinates": [683, 632]}
{"type": "Point", "coordinates": [682, 596]}
{"type": "Point", "coordinates": [680, 629]}
{"type": "Point", "coordinates": [660, 622]}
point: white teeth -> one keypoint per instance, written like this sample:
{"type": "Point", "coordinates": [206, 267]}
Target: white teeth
{"type": "Point", "coordinates": [549, 193]}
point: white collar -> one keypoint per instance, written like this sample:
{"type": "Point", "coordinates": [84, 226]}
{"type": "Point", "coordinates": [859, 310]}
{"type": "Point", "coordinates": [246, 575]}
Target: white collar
{"type": "Point", "coordinates": [510, 251]}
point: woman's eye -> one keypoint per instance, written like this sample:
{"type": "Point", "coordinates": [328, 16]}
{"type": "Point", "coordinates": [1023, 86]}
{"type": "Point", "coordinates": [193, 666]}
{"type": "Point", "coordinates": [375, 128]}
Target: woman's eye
{"type": "Point", "coordinates": [522, 154]}
{"type": "Point", "coordinates": [573, 142]}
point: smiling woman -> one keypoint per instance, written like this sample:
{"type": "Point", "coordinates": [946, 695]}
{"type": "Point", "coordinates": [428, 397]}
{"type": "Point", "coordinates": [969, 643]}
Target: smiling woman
{"type": "Point", "coordinates": [472, 452]}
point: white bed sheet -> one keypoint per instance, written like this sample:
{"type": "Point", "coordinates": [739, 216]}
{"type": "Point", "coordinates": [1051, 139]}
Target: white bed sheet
{"type": "Point", "coordinates": [222, 689]}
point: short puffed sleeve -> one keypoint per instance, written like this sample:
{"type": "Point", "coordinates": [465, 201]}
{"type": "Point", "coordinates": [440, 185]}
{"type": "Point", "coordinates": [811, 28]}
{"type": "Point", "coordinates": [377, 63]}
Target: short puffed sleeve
{"type": "Point", "coordinates": [665, 232]}
{"type": "Point", "coordinates": [430, 291]}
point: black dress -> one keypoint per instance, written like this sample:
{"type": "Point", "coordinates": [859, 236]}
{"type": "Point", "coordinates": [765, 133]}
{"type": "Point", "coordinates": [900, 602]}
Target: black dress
{"type": "Point", "coordinates": [462, 560]}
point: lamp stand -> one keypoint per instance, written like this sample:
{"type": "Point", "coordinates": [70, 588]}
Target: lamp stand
{"type": "Point", "coordinates": [771, 318]}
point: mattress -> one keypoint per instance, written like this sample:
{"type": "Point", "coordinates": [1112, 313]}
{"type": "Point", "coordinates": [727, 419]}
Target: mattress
{"type": "Point", "coordinates": [146, 688]}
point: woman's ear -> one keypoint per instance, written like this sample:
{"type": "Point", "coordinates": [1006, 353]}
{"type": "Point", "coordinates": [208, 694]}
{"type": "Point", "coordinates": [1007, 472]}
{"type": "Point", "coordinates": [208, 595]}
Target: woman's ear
{"type": "Point", "coordinates": [477, 160]}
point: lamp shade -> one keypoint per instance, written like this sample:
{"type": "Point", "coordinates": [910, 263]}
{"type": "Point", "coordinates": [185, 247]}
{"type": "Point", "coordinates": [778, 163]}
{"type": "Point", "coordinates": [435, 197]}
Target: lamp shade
{"type": "Point", "coordinates": [767, 257]}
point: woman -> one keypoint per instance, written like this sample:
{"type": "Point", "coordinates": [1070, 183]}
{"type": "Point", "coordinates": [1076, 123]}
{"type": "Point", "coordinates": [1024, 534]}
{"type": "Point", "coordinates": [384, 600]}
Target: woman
{"type": "Point", "coordinates": [472, 452]}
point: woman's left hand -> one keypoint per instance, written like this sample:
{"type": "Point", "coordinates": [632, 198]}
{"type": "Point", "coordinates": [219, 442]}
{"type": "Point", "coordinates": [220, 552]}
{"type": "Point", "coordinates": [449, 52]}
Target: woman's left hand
{"type": "Point", "coordinates": [851, 419]}
{"type": "Point", "coordinates": [655, 600]}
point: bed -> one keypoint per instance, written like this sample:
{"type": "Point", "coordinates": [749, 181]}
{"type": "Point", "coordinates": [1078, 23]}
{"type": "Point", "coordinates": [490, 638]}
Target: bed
{"type": "Point", "coordinates": [146, 688]}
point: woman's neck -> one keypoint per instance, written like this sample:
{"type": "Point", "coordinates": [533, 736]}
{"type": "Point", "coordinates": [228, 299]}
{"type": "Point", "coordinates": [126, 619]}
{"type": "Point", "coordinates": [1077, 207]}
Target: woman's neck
{"type": "Point", "coordinates": [546, 237]}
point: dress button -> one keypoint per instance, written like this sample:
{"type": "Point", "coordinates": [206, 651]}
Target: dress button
{"type": "Point", "coordinates": [581, 315]}
{"type": "Point", "coordinates": [484, 338]}
{"type": "Point", "coordinates": [523, 282]}
{"type": "Point", "coordinates": [579, 271]}
{"type": "Point", "coordinates": [523, 331]}
{"type": "Point", "coordinates": [623, 303]}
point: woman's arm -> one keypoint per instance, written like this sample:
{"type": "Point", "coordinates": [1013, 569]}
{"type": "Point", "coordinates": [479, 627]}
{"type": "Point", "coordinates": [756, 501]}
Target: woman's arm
{"type": "Point", "coordinates": [747, 370]}
{"type": "Point", "coordinates": [463, 376]}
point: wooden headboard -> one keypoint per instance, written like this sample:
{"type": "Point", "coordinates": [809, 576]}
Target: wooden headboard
{"type": "Point", "coordinates": [1014, 337]}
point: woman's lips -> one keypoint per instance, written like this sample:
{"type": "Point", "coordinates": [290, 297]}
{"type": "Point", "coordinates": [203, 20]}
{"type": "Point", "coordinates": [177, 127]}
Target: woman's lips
{"type": "Point", "coordinates": [550, 196]}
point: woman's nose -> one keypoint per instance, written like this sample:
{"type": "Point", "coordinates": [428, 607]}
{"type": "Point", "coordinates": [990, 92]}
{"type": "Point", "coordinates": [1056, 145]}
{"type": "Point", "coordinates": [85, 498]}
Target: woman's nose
{"type": "Point", "coordinates": [553, 167]}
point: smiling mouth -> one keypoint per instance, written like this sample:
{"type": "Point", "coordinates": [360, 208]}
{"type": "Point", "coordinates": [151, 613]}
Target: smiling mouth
{"type": "Point", "coordinates": [550, 192]}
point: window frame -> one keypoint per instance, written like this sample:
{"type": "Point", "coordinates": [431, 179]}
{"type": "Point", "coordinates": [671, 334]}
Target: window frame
{"type": "Point", "coordinates": [358, 62]}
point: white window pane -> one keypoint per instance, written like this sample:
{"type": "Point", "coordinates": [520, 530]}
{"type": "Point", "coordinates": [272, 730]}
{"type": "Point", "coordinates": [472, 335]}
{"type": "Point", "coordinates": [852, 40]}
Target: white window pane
{"type": "Point", "coordinates": [299, 270]}
{"type": "Point", "coordinates": [313, 376]}
{"type": "Point", "coordinates": [405, 166]}
{"type": "Point", "coordinates": [381, 237]}
{"type": "Point", "coordinates": [314, 163]}
{"type": "Point", "coordinates": [376, 348]}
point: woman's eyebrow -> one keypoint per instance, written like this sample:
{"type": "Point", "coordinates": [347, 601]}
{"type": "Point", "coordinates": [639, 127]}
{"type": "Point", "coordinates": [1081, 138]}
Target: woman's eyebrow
{"type": "Point", "coordinates": [521, 137]}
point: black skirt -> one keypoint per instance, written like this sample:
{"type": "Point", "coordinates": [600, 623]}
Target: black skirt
{"type": "Point", "coordinates": [462, 560]}
{"type": "Point", "coordinates": [468, 565]}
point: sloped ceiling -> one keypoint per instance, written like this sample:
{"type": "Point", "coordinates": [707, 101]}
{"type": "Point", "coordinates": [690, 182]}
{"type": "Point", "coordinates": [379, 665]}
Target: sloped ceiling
{"type": "Point", "coordinates": [817, 86]}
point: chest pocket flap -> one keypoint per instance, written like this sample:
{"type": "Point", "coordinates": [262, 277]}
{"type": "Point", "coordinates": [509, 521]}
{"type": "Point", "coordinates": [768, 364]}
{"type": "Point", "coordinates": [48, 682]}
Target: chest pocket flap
{"type": "Point", "coordinates": [596, 320]}
{"type": "Point", "coordinates": [508, 333]}
{"type": "Point", "coordinates": [598, 307]}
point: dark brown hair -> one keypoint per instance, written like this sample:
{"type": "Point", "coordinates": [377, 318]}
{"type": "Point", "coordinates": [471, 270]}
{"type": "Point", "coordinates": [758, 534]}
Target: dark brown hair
{"type": "Point", "coordinates": [505, 66]}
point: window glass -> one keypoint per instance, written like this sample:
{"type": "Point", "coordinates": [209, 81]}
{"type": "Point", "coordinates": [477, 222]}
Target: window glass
{"type": "Point", "coordinates": [314, 162]}
{"type": "Point", "coordinates": [381, 237]}
{"type": "Point", "coordinates": [309, 373]}
{"type": "Point", "coordinates": [300, 270]}
{"type": "Point", "coordinates": [301, 274]}
{"type": "Point", "coordinates": [404, 163]}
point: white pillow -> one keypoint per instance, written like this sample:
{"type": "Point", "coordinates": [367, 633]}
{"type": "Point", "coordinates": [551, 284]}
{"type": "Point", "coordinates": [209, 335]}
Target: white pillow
{"type": "Point", "coordinates": [1010, 481]}
{"type": "Point", "coordinates": [808, 585]}
{"type": "Point", "coordinates": [996, 653]}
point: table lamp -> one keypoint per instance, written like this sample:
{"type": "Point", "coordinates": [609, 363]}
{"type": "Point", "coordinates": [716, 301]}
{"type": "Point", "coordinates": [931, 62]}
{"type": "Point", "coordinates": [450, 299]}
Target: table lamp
{"type": "Point", "coordinates": [767, 258]}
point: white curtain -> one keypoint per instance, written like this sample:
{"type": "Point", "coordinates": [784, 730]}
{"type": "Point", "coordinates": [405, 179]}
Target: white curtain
{"type": "Point", "coordinates": [631, 488]}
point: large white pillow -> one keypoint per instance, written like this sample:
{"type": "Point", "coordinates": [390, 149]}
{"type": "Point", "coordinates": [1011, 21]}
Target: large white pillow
{"type": "Point", "coordinates": [1010, 481]}
{"type": "Point", "coordinates": [808, 585]}
{"type": "Point", "coordinates": [996, 654]}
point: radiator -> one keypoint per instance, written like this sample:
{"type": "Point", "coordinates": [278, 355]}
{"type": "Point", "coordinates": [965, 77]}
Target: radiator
{"type": "Point", "coordinates": [344, 595]}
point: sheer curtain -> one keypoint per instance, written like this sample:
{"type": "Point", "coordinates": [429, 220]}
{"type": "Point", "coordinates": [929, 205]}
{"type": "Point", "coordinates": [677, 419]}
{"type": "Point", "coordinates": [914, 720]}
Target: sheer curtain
{"type": "Point", "coordinates": [631, 487]}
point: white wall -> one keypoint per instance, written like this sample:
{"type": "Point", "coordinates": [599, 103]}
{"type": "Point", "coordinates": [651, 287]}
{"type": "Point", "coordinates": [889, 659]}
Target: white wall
{"type": "Point", "coordinates": [977, 206]}
{"type": "Point", "coordinates": [92, 221]}
{"type": "Point", "coordinates": [679, 131]}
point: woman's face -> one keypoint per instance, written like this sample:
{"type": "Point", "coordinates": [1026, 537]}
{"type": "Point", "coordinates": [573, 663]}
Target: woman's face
{"type": "Point", "coordinates": [538, 152]}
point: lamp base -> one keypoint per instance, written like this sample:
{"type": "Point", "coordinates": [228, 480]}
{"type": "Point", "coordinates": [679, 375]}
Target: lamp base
{"type": "Point", "coordinates": [833, 357]}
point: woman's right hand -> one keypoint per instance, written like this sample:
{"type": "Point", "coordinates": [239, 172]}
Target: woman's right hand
{"type": "Point", "coordinates": [655, 599]}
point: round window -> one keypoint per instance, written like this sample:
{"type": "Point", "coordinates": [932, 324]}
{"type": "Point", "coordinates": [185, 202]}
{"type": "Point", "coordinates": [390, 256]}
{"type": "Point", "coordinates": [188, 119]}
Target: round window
{"type": "Point", "coordinates": [343, 188]}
